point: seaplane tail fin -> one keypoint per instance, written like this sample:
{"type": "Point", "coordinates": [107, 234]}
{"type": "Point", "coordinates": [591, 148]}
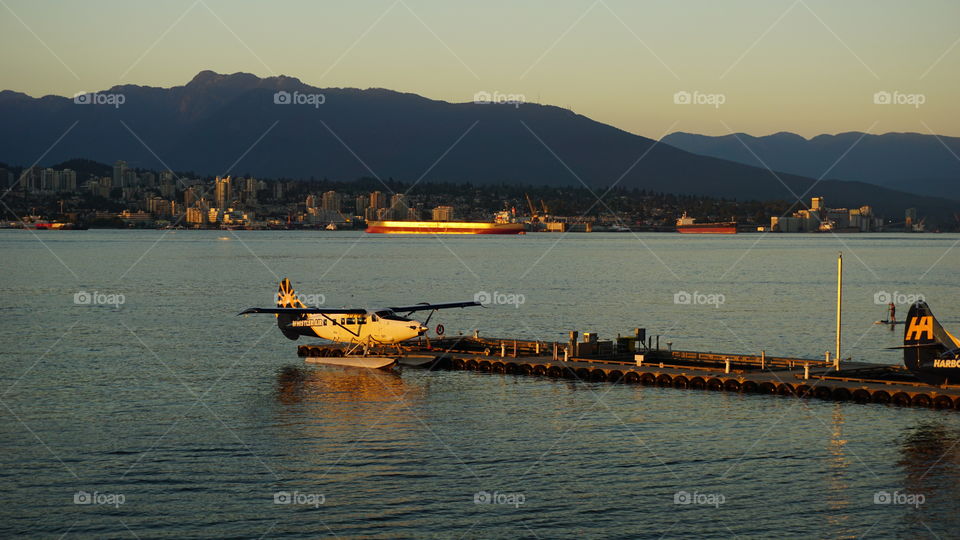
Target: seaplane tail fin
{"type": "Point", "coordinates": [287, 298]}
{"type": "Point", "coordinates": [928, 349]}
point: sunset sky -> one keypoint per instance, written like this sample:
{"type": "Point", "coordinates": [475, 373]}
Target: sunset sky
{"type": "Point", "coordinates": [807, 66]}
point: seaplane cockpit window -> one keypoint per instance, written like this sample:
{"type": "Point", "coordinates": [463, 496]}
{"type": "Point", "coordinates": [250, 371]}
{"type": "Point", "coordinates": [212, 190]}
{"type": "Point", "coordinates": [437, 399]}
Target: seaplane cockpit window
{"type": "Point", "coordinates": [390, 316]}
{"type": "Point", "coordinates": [373, 318]}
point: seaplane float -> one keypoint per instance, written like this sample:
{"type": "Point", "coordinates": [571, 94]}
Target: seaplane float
{"type": "Point", "coordinates": [363, 331]}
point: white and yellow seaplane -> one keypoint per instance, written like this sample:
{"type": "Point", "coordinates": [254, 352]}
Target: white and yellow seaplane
{"type": "Point", "coordinates": [360, 329]}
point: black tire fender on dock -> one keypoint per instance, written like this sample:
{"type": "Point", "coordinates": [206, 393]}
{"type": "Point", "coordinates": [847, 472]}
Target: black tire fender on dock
{"type": "Point", "coordinates": [555, 371]}
{"type": "Point", "coordinates": [458, 363]}
{"type": "Point", "coordinates": [901, 399]}
{"type": "Point", "coordinates": [862, 395]}
{"type": "Point", "coordinates": [732, 385]}
{"type": "Point", "coordinates": [768, 388]}
{"type": "Point", "coordinates": [715, 384]}
{"type": "Point", "coordinates": [804, 391]}
{"type": "Point", "coordinates": [697, 383]}
{"type": "Point", "coordinates": [842, 394]}
{"type": "Point", "coordinates": [648, 379]}
{"type": "Point", "coordinates": [540, 369]}
{"type": "Point", "coordinates": [632, 377]}
{"type": "Point", "coordinates": [822, 392]}
{"type": "Point", "coordinates": [512, 368]}
{"type": "Point", "coordinates": [498, 367]}
{"type": "Point", "coordinates": [880, 396]}
{"type": "Point", "coordinates": [942, 402]}
{"type": "Point", "coordinates": [484, 365]}
{"type": "Point", "coordinates": [302, 351]}
{"type": "Point", "coordinates": [583, 374]}
{"type": "Point", "coordinates": [921, 400]}
{"type": "Point", "coordinates": [471, 365]}
{"type": "Point", "coordinates": [784, 389]}
{"type": "Point", "coordinates": [598, 375]}
{"type": "Point", "coordinates": [681, 382]}
{"type": "Point", "coordinates": [664, 380]}
{"type": "Point", "coordinates": [526, 369]}
{"type": "Point", "coordinates": [615, 376]}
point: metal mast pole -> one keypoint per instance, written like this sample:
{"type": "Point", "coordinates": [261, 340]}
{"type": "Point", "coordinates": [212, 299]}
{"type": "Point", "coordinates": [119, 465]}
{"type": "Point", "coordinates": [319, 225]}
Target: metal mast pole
{"type": "Point", "coordinates": [836, 358]}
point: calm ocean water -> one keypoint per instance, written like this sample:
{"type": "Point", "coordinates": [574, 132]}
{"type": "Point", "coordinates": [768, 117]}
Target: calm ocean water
{"type": "Point", "coordinates": [172, 417]}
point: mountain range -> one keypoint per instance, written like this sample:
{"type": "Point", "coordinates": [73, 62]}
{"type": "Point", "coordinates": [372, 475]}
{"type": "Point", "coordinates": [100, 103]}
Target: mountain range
{"type": "Point", "coordinates": [912, 162]}
{"type": "Point", "coordinates": [272, 127]}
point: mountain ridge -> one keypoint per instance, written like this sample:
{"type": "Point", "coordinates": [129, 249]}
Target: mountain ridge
{"type": "Point", "coordinates": [918, 163]}
{"type": "Point", "coordinates": [218, 124]}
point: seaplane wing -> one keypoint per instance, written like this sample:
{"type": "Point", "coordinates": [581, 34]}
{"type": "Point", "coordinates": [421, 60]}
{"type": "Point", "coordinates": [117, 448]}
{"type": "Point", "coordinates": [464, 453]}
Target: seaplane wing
{"type": "Point", "coordinates": [358, 326]}
{"type": "Point", "coordinates": [298, 311]}
{"type": "Point", "coordinates": [425, 307]}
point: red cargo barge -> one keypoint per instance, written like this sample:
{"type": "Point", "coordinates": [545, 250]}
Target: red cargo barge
{"type": "Point", "coordinates": [688, 225]}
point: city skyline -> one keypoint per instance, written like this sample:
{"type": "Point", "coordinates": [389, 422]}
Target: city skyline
{"type": "Point", "coordinates": [807, 67]}
{"type": "Point", "coordinates": [235, 202]}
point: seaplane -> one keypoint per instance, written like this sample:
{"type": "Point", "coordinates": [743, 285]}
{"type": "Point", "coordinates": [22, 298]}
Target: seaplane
{"type": "Point", "coordinates": [931, 353]}
{"type": "Point", "coordinates": [359, 329]}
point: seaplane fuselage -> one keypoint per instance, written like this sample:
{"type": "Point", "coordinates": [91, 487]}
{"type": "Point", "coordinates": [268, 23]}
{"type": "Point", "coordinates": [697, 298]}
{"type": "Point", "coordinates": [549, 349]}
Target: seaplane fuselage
{"type": "Point", "coordinates": [384, 327]}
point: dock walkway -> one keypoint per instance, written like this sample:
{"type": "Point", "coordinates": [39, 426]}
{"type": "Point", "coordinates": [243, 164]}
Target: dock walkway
{"type": "Point", "coordinates": [856, 381]}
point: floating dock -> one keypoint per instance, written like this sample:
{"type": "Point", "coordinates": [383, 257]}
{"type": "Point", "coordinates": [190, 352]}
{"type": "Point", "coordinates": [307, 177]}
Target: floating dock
{"type": "Point", "coordinates": [634, 361]}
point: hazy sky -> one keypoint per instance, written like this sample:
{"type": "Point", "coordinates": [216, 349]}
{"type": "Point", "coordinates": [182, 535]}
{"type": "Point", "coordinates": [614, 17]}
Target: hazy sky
{"type": "Point", "coordinates": [810, 66]}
